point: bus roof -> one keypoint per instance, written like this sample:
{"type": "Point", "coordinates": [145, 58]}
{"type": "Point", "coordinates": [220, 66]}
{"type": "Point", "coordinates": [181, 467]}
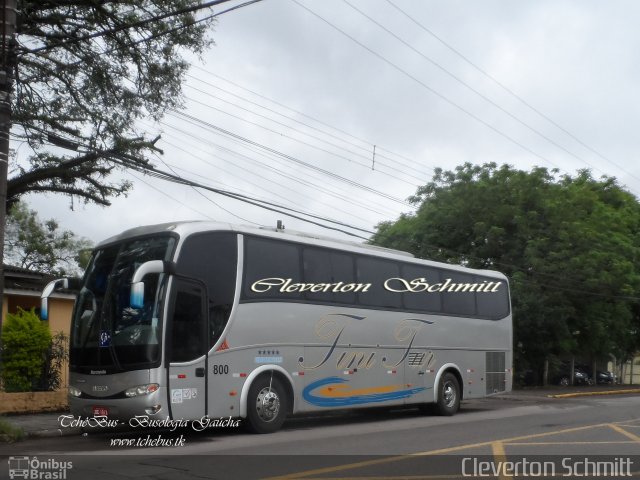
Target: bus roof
{"type": "Point", "coordinates": [186, 228]}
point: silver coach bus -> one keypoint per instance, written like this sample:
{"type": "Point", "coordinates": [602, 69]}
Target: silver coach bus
{"type": "Point", "coordinates": [196, 319]}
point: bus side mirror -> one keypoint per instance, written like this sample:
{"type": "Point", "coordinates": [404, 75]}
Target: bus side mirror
{"type": "Point", "coordinates": [136, 297]}
{"type": "Point", "coordinates": [59, 283]}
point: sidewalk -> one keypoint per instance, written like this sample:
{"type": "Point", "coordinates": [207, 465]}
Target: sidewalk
{"type": "Point", "coordinates": [555, 392]}
{"type": "Point", "coordinates": [45, 425]}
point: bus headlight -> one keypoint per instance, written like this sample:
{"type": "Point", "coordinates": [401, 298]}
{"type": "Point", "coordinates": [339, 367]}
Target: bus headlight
{"type": "Point", "coordinates": [141, 390]}
{"type": "Point", "coordinates": [74, 392]}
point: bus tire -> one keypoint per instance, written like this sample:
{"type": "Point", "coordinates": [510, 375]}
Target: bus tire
{"type": "Point", "coordinates": [267, 404]}
{"type": "Point", "coordinates": [448, 401]}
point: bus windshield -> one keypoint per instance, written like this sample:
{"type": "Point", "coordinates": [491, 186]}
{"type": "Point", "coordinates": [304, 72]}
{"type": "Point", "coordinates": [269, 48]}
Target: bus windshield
{"type": "Point", "coordinates": [107, 335]}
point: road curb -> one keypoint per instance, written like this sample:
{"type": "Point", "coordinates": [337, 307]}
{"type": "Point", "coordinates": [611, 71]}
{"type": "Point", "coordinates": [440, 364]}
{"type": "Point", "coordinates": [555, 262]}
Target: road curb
{"type": "Point", "coordinates": [590, 394]}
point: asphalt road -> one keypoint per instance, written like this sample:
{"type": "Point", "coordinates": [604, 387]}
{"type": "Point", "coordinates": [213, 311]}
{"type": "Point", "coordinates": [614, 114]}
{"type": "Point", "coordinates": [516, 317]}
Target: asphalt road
{"type": "Point", "coordinates": [371, 444]}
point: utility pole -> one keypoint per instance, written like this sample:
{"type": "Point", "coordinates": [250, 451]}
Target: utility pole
{"type": "Point", "coordinates": [7, 62]}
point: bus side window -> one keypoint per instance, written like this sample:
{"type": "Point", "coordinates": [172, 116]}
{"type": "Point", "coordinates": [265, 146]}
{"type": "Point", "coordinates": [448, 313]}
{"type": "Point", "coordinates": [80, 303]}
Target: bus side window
{"type": "Point", "coordinates": [266, 258]}
{"type": "Point", "coordinates": [187, 323]}
{"type": "Point", "coordinates": [429, 301]}
{"type": "Point", "coordinates": [213, 258]}
{"type": "Point", "coordinates": [376, 271]}
{"type": "Point", "coordinates": [493, 304]}
{"type": "Point", "coordinates": [321, 265]}
{"type": "Point", "coordinates": [316, 265]}
{"type": "Point", "coordinates": [458, 301]}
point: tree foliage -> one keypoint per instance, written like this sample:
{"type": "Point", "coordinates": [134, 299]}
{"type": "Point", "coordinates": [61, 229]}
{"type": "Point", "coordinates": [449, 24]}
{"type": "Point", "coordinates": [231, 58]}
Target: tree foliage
{"type": "Point", "coordinates": [40, 245]}
{"type": "Point", "coordinates": [25, 342]}
{"type": "Point", "coordinates": [86, 72]}
{"type": "Point", "coordinates": [569, 245]}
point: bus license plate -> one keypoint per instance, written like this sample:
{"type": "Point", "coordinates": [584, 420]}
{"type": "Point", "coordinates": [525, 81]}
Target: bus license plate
{"type": "Point", "coordinates": [100, 412]}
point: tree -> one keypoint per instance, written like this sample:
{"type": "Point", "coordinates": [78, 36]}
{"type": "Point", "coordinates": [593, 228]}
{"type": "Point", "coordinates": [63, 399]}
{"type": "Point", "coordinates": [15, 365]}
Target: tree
{"type": "Point", "coordinates": [36, 245]}
{"type": "Point", "coordinates": [87, 70]}
{"type": "Point", "coordinates": [568, 244]}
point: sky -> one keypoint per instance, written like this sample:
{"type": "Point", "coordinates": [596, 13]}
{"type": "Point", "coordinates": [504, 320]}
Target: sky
{"type": "Point", "coordinates": [423, 84]}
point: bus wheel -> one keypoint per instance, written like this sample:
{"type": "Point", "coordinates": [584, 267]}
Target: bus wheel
{"type": "Point", "coordinates": [448, 395]}
{"type": "Point", "coordinates": [267, 404]}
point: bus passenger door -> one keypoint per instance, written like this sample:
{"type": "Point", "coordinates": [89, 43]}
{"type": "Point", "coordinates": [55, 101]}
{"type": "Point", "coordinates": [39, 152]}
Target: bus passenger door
{"type": "Point", "coordinates": [187, 350]}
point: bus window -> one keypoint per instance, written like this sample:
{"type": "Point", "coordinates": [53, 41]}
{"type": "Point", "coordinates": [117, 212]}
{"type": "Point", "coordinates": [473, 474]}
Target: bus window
{"type": "Point", "coordinates": [458, 302]}
{"type": "Point", "coordinates": [266, 258]}
{"type": "Point", "coordinates": [213, 258]}
{"type": "Point", "coordinates": [343, 271]}
{"type": "Point", "coordinates": [187, 322]}
{"type": "Point", "coordinates": [316, 264]}
{"type": "Point", "coordinates": [376, 272]}
{"type": "Point", "coordinates": [494, 305]}
{"type": "Point", "coordinates": [422, 301]}
{"type": "Point", "coordinates": [321, 265]}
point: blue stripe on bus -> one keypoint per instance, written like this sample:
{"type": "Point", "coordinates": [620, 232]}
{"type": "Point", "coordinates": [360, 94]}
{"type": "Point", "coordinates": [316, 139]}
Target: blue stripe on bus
{"type": "Point", "coordinates": [352, 399]}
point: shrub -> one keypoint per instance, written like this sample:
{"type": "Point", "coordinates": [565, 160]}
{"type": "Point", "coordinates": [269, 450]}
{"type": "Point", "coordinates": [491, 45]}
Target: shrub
{"type": "Point", "coordinates": [25, 341]}
{"type": "Point", "coordinates": [10, 433]}
{"type": "Point", "coordinates": [57, 355]}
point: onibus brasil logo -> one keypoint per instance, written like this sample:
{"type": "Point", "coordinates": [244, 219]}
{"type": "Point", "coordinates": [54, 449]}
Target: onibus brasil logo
{"type": "Point", "coordinates": [32, 468]}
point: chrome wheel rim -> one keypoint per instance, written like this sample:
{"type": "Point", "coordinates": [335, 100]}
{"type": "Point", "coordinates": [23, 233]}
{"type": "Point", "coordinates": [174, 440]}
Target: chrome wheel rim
{"type": "Point", "coordinates": [267, 404]}
{"type": "Point", "coordinates": [449, 395]}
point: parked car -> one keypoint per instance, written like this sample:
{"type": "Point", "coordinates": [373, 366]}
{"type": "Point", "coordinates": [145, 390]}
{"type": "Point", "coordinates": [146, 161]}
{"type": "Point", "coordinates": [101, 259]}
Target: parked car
{"type": "Point", "coordinates": [602, 377]}
{"type": "Point", "coordinates": [608, 378]}
{"type": "Point", "coordinates": [580, 376]}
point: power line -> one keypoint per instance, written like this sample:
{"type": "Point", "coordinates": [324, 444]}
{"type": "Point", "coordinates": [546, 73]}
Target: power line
{"type": "Point", "coordinates": [351, 152]}
{"type": "Point", "coordinates": [289, 157]}
{"type": "Point", "coordinates": [429, 88]}
{"type": "Point", "coordinates": [511, 92]}
{"type": "Point", "coordinates": [250, 200]}
{"type": "Point", "coordinates": [127, 26]}
{"type": "Point", "coordinates": [205, 197]}
{"type": "Point", "coordinates": [169, 196]}
{"type": "Point", "coordinates": [178, 28]}
{"type": "Point", "coordinates": [306, 177]}
{"type": "Point", "coordinates": [259, 203]}
{"type": "Point", "coordinates": [305, 115]}
{"type": "Point", "coordinates": [336, 192]}
{"type": "Point", "coordinates": [337, 222]}
{"type": "Point", "coordinates": [279, 172]}
{"type": "Point", "coordinates": [251, 183]}
{"type": "Point", "coordinates": [222, 169]}
{"type": "Point", "coordinates": [472, 89]}
{"type": "Point", "coordinates": [337, 155]}
{"type": "Point", "coordinates": [173, 167]}
{"type": "Point", "coordinates": [131, 162]}
{"type": "Point", "coordinates": [190, 24]}
{"type": "Point", "coordinates": [367, 148]}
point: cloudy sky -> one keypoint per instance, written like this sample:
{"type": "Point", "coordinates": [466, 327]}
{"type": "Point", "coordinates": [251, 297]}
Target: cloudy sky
{"type": "Point", "coordinates": [429, 84]}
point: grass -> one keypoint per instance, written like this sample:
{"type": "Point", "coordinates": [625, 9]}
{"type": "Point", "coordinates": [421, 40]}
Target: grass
{"type": "Point", "coordinates": [9, 433]}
